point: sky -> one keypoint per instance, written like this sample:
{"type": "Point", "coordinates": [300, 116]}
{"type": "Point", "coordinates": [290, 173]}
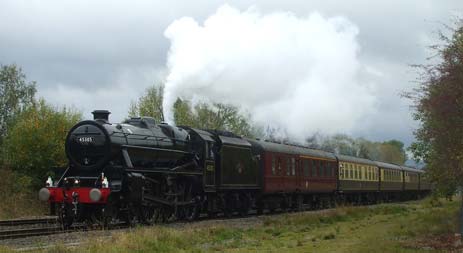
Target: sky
{"type": "Point", "coordinates": [104, 54]}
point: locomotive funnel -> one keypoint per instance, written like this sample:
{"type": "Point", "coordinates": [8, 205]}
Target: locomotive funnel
{"type": "Point", "coordinates": [101, 115]}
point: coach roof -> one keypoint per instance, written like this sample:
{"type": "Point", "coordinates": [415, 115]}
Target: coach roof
{"type": "Point", "coordinates": [388, 166]}
{"type": "Point", "coordinates": [353, 159]}
{"type": "Point", "coordinates": [293, 149]}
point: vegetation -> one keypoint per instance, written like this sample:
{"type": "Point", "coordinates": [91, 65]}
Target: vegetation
{"type": "Point", "coordinates": [202, 115]}
{"type": "Point", "coordinates": [403, 227]}
{"type": "Point", "coordinates": [35, 142]}
{"type": "Point", "coordinates": [32, 135]}
{"type": "Point", "coordinates": [16, 95]}
{"type": "Point", "coordinates": [439, 108]}
{"type": "Point", "coordinates": [149, 104]}
{"type": "Point", "coordinates": [19, 199]}
{"type": "Point", "coordinates": [388, 151]}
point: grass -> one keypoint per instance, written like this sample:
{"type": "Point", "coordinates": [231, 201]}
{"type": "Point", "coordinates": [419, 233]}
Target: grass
{"type": "Point", "coordinates": [18, 200]}
{"type": "Point", "coordinates": [403, 227]}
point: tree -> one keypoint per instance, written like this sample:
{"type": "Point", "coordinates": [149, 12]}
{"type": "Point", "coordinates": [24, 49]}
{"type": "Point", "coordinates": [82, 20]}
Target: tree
{"type": "Point", "coordinates": [35, 142]}
{"type": "Point", "coordinates": [215, 116]}
{"type": "Point", "coordinates": [150, 104]}
{"type": "Point", "coordinates": [389, 151]}
{"type": "Point", "coordinates": [223, 117]}
{"type": "Point", "coordinates": [438, 106]}
{"type": "Point", "coordinates": [16, 95]}
{"type": "Point", "coordinates": [183, 114]}
{"type": "Point", "coordinates": [392, 151]}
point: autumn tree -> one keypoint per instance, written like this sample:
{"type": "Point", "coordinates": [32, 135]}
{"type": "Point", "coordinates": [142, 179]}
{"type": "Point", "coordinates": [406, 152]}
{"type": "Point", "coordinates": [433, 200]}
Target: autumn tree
{"type": "Point", "coordinates": [35, 142]}
{"type": "Point", "coordinates": [438, 106]}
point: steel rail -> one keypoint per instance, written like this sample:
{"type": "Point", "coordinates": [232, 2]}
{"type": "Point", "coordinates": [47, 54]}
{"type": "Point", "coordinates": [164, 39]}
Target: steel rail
{"type": "Point", "coordinates": [27, 232]}
{"type": "Point", "coordinates": [19, 222]}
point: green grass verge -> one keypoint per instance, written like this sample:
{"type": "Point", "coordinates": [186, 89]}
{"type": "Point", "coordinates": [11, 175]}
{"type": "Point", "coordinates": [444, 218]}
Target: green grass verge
{"type": "Point", "coordinates": [403, 227]}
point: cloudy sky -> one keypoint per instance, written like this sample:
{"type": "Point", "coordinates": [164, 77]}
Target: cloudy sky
{"type": "Point", "coordinates": [103, 54]}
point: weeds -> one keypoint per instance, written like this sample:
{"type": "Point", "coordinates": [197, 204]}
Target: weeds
{"type": "Point", "coordinates": [381, 228]}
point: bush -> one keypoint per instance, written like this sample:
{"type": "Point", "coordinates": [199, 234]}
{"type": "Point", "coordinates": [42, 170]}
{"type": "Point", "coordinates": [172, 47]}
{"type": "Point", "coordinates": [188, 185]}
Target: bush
{"type": "Point", "coordinates": [35, 142]}
{"type": "Point", "coordinates": [18, 198]}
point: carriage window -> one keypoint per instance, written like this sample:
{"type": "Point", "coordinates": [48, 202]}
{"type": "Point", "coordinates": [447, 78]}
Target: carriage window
{"type": "Point", "coordinates": [279, 166]}
{"type": "Point", "coordinates": [306, 167]}
{"type": "Point", "coordinates": [293, 166]}
{"type": "Point", "coordinates": [273, 166]}
{"type": "Point", "coordinates": [314, 168]}
{"type": "Point", "coordinates": [288, 167]}
{"type": "Point", "coordinates": [320, 168]}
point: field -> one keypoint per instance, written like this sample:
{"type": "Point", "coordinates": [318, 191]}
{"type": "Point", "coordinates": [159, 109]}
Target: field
{"type": "Point", "coordinates": [426, 225]}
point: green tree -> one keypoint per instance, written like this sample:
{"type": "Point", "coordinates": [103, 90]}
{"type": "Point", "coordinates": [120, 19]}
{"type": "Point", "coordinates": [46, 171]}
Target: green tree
{"type": "Point", "coordinates": [215, 116]}
{"type": "Point", "coordinates": [35, 142]}
{"type": "Point", "coordinates": [438, 104]}
{"type": "Point", "coordinates": [392, 151]}
{"type": "Point", "coordinates": [183, 114]}
{"type": "Point", "coordinates": [389, 151]}
{"type": "Point", "coordinates": [150, 104]}
{"type": "Point", "coordinates": [16, 95]}
{"type": "Point", "coordinates": [223, 117]}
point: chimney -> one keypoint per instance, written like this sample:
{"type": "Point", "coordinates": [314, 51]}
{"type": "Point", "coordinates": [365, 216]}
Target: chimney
{"type": "Point", "coordinates": [101, 115]}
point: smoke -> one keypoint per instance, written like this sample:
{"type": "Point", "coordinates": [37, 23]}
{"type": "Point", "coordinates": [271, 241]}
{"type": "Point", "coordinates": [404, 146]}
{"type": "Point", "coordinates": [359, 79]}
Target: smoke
{"type": "Point", "coordinates": [298, 74]}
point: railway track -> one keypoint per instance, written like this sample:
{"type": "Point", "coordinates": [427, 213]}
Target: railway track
{"type": "Point", "coordinates": [21, 222]}
{"type": "Point", "coordinates": [27, 232]}
{"type": "Point", "coordinates": [28, 227]}
{"type": "Point", "coordinates": [54, 228]}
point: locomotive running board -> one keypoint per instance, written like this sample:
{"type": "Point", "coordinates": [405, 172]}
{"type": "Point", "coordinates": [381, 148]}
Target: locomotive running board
{"type": "Point", "coordinates": [164, 171]}
{"type": "Point", "coordinates": [157, 149]}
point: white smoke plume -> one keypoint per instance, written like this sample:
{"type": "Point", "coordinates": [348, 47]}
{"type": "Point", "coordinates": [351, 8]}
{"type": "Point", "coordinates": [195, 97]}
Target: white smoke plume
{"type": "Point", "coordinates": [300, 74]}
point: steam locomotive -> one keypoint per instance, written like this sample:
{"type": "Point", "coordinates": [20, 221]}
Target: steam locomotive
{"type": "Point", "coordinates": [139, 171]}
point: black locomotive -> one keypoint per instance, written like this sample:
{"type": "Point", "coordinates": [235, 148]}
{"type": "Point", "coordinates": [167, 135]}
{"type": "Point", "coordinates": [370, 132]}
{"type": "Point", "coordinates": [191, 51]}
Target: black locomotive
{"type": "Point", "coordinates": [140, 171]}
